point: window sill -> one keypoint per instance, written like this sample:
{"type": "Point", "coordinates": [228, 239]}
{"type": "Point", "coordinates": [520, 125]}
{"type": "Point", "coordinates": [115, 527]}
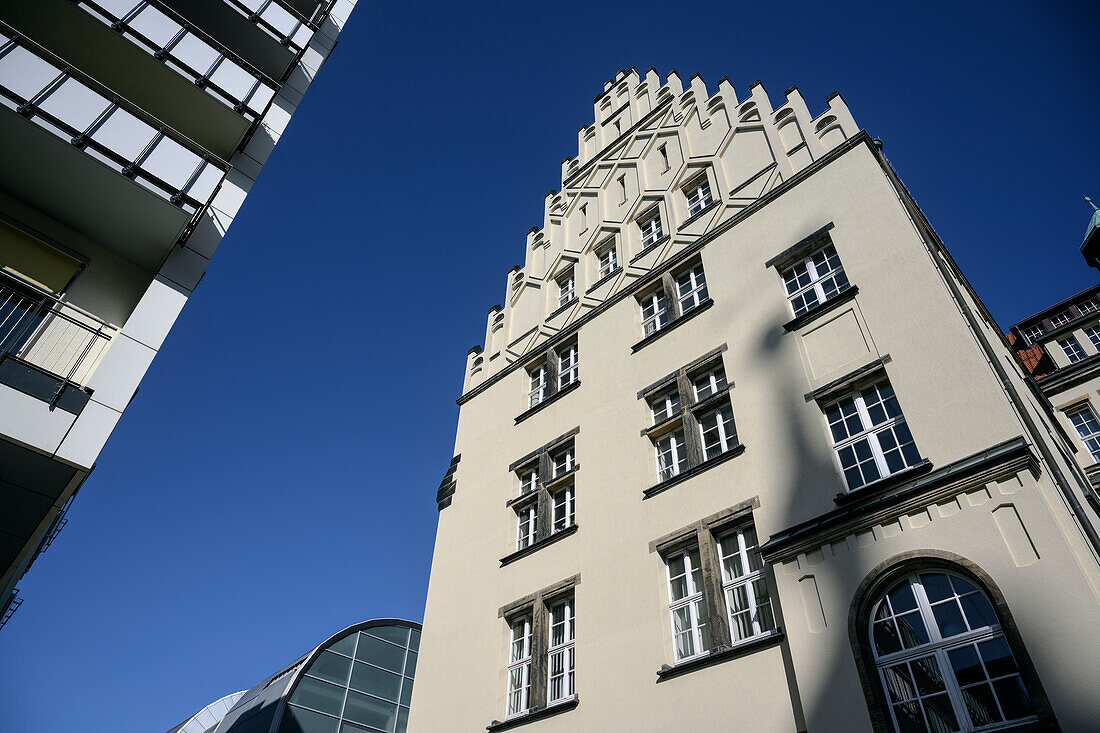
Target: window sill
{"type": "Point", "coordinates": [672, 324]}
{"type": "Point", "coordinates": [650, 248]}
{"type": "Point", "coordinates": [604, 279]}
{"type": "Point", "coordinates": [538, 545]}
{"type": "Point", "coordinates": [883, 484]}
{"type": "Point", "coordinates": [535, 714]}
{"type": "Point", "coordinates": [702, 212]}
{"type": "Point", "coordinates": [563, 308]}
{"type": "Point", "coordinates": [821, 309]}
{"type": "Point", "coordinates": [549, 400]}
{"type": "Point", "coordinates": [717, 656]}
{"type": "Point", "coordinates": [693, 471]}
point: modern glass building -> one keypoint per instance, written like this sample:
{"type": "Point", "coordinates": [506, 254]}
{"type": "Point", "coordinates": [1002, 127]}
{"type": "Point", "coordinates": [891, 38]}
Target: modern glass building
{"type": "Point", "coordinates": [358, 681]}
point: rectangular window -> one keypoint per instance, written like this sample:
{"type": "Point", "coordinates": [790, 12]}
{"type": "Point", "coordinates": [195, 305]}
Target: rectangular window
{"type": "Point", "coordinates": [560, 655]}
{"type": "Point", "coordinates": [568, 366]}
{"type": "Point", "coordinates": [538, 390]}
{"type": "Point", "coordinates": [1060, 319]}
{"type": "Point", "coordinates": [528, 480]}
{"type": "Point", "coordinates": [870, 436]}
{"type": "Point", "coordinates": [562, 461]}
{"type": "Point", "coordinates": [564, 512]}
{"type": "Point", "coordinates": [654, 312]}
{"type": "Point", "coordinates": [519, 667]}
{"type": "Point", "coordinates": [744, 585]}
{"type": "Point", "coordinates": [709, 383]}
{"type": "Point", "coordinates": [1093, 332]}
{"type": "Point", "coordinates": [651, 229]}
{"type": "Point", "coordinates": [717, 431]}
{"type": "Point", "coordinates": [690, 635]}
{"type": "Point", "coordinates": [691, 288]}
{"type": "Point", "coordinates": [1089, 305]}
{"type": "Point", "coordinates": [671, 454]}
{"type": "Point", "coordinates": [528, 525]}
{"type": "Point", "coordinates": [1088, 428]}
{"type": "Point", "coordinates": [815, 280]}
{"type": "Point", "coordinates": [698, 195]}
{"type": "Point", "coordinates": [566, 289]}
{"type": "Point", "coordinates": [665, 406]}
{"type": "Point", "coordinates": [608, 259]}
{"type": "Point", "coordinates": [1033, 334]}
{"type": "Point", "coordinates": [1072, 349]}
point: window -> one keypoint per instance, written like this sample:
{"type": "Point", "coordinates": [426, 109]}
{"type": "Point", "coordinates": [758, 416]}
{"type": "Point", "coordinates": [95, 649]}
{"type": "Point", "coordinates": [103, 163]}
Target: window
{"type": "Point", "coordinates": [691, 288]}
{"type": "Point", "coordinates": [698, 195]}
{"type": "Point", "coordinates": [1060, 319]}
{"type": "Point", "coordinates": [1033, 334]}
{"type": "Point", "coordinates": [528, 525]}
{"type": "Point", "coordinates": [815, 280]}
{"type": "Point", "coordinates": [665, 406]}
{"type": "Point", "coordinates": [1093, 332]}
{"type": "Point", "coordinates": [1088, 306]}
{"type": "Point", "coordinates": [690, 635]}
{"type": "Point", "coordinates": [748, 601]}
{"type": "Point", "coordinates": [607, 258]}
{"type": "Point", "coordinates": [560, 662]}
{"type": "Point", "coordinates": [651, 228]}
{"type": "Point", "coordinates": [537, 392]}
{"type": "Point", "coordinates": [717, 431]}
{"type": "Point", "coordinates": [566, 288]}
{"type": "Point", "coordinates": [546, 503]}
{"type": "Point", "coordinates": [564, 516]}
{"type": "Point", "coordinates": [870, 436]}
{"type": "Point", "coordinates": [692, 417]}
{"type": "Point", "coordinates": [709, 383]}
{"type": "Point", "coordinates": [584, 216]}
{"type": "Point", "coordinates": [942, 660]}
{"type": "Point", "coordinates": [1088, 429]}
{"type": "Point", "coordinates": [621, 180]}
{"type": "Point", "coordinates": [568, 366]}
{"type": "Point", "coordinates": [663, 152]}
{"type": "Point", "coordinates": [519, 667]}
{"type": "Point", "coordinates": [1072, 349]}
{"type": "Point", "coordinates": [654, 312]}
{"type": "Point", "coordinates": [671, 454]}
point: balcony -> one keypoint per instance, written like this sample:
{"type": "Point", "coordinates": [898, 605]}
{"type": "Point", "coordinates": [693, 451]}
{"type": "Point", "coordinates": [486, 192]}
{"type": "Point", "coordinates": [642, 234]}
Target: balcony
{"type": "Point", "coordinates": [49, 349]}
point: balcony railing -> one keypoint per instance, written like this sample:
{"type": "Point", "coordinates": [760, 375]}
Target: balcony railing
{"type": "Point", "coordinates": [55, 337]}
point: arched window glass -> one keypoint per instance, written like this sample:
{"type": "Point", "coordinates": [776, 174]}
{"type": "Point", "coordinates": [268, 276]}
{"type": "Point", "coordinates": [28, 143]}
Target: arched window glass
{"type": "Point", "coordinates": [942, 659]}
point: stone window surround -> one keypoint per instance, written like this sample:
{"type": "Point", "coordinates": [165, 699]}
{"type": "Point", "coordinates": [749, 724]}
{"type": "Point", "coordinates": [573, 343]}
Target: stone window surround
{"type": "Point", "coordinates": [541, 459]}
{"type": "Point", "coordinates": [703, 534]}
{"type": "Point", "coordinates": [666, 282]}
{"type": "Point", "coordinates": [549, 360]}
{"type": "Point", "coordinates": [538, 605]}
{"type": "Point", "coordinates": [880, 579]}
{"type": "Point", "coordinates": [687, 417]}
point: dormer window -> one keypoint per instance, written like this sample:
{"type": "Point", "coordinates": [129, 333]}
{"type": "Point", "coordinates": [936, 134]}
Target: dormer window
{"type": "Point", "coordinates": [652, 231]}
{"type": "Point", "coordinates": [566, 288]}
{"type": "Point", "coordinates": [607, 258]}
{"type": "Point", "coordinates": [698, 195]}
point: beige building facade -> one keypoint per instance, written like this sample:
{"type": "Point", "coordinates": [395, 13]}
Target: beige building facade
{"type": "Point", "coordinates": [743, 449]}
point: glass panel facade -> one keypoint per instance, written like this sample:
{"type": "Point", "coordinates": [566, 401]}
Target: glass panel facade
{"type": "Point", "coordinates": [361, 682]}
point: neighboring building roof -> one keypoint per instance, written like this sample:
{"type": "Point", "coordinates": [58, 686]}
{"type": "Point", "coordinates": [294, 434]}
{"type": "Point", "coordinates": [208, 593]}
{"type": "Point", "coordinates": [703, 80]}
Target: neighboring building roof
{"type": "Point", "coordinates": [362, 675]}
{"type": "Point", "coordinates": [1034, 358]}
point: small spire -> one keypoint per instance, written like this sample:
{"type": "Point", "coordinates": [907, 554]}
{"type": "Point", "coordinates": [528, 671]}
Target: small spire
{"type": "Point", "coordinates": [1094, 207]}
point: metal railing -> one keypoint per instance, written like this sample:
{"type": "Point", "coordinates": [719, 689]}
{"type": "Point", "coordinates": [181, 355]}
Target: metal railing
{"type": "Point", "coordinates": [41, 330]}
{"type": "Point", "coordinates": [11, 605]}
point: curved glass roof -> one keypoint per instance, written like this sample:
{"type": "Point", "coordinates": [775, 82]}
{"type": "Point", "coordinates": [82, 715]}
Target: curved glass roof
{"type": "Point", "coordinates": [207, 719]}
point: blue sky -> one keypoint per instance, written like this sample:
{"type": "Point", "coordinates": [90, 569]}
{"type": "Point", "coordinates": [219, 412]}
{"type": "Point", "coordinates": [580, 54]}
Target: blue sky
{"type": "Point", "coordinates": [274, 479]}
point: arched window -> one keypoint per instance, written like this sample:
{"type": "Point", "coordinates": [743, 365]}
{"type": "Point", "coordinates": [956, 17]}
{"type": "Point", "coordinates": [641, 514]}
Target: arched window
{"type": "Point", "coordinates": [942, 658]}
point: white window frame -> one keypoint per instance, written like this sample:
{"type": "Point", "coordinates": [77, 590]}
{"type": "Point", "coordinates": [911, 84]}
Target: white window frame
{"type": "Point", "coordinates": [567, 288]}
{"type": "Point", "coordinates": [655, 314]}
{"type": "Point", "coordinates": [1034, 334]}
{"type": "Point", "coordinates": [821, 273]}
{"type": "Point", "coordinates": [724, 428]}
{"type": "Point", "coordinates": [564, 509]}
{"type": "Point", "coordinates": [1088, 306]}
{"type": "Point", "coordinates": [527, 522]}
{"type": "Point", "coordinates": [665, 406]}
{"type": "Point", "coordinates": [607, 258]}
{"type": "Point", "coordinates": [562, 616]}
{"type": "Point", "coordinates": [1061, 319]}
{"type": "Point", "coordinates": [1087, 426]}
{"type": "Point", "coordinates": [651, 227]}
{"type": "Point", "coordinates": [569, 460]}
{"type": "Point", "coordinates": [1093, 332]}
{"type": "Point", "coordinates": [709, 383]}
{"type": "Point", "coordinates": [519, 667]}
{"type": "Point", "coordinates": [668, 445]}
{"type": "Point", "coordinates": [938, 648]}
{"type": "Point", "coordinates": [691, 288]}
{"type": "Point", "coordinates": [699, 195]}
{"type": "Point", "coordinates": [740, 546]}
{"type": "Point", "coordinates": [568, 366]}
{"type": "Point", "coordinates": [538, 387]}
{"type": "Point", "coordinates": [528, 479]}
{"type": "Point", "coordinates": [698, 631]}
{"type": "Point", "coordinates": [1071, 347]}
{"type": "Point", "coordinates": [869, 432]}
